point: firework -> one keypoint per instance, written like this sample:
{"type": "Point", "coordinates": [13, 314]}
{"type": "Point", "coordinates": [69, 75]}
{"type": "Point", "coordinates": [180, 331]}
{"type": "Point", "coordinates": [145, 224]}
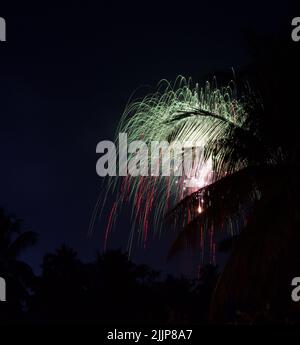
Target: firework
{"type": "Point", "coordinates": [196, 116]}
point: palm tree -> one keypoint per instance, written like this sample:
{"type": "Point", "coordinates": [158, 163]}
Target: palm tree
{"type": "Point", "coordinates": [18, 274]}
{"type": "Point", "coordinates": [255, 193]}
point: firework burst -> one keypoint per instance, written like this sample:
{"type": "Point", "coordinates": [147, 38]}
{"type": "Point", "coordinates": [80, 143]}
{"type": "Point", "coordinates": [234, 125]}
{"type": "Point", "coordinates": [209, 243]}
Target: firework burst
{"type": "Point", "coordinates": [199, 117]}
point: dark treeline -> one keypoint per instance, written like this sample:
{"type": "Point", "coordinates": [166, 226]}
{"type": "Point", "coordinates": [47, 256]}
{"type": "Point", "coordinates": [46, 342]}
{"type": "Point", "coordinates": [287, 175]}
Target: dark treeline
{"type": "Point", "coordinates": [109, 290]}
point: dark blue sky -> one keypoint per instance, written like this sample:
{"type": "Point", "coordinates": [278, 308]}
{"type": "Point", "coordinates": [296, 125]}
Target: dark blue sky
{"type": "Point", "coordinates": [66, 75]}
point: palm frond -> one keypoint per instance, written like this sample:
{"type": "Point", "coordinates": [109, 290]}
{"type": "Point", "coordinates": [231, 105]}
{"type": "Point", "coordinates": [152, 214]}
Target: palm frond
{"type": "Point", "coordinates": [227, 204]}
{"type": "Point", "coordinates": [262, 263]}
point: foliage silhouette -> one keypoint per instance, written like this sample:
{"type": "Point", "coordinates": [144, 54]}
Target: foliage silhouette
{"type": "Point", "coordinates": [17, 274]}
{"type": "Point", "coordinates": [112, 290]}
{"type": "Point", "coordinates": [260, 200]}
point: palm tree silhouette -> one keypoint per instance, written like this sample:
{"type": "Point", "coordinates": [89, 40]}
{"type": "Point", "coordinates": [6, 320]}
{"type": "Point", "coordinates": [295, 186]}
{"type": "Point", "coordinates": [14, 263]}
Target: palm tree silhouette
{"type": "Point", "coordinates": [258, 196]}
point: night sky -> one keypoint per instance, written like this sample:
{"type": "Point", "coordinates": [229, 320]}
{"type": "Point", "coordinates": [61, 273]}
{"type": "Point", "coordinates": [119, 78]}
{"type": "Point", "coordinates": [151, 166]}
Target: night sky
{"type": "Point", "coordinates": [66, 75]}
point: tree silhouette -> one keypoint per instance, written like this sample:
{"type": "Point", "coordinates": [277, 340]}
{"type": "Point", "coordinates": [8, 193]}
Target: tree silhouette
{"type": "Point", "coordinates": [112, 290]}
{"type": "Point", "coordinates": [258, 196]}
{"type": "Point", "coordinates": [18, 275]}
